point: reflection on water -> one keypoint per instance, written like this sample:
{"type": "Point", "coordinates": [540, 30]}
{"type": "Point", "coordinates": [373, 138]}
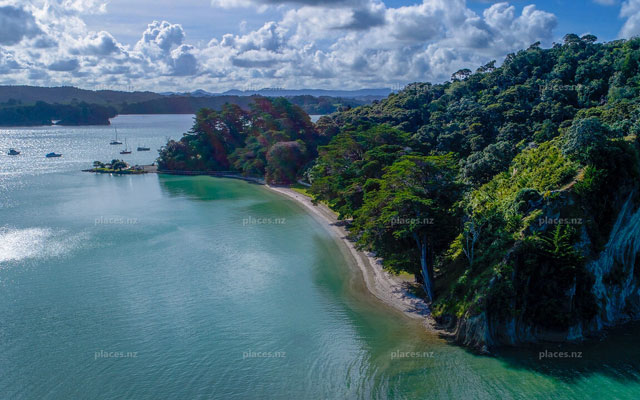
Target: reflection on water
{"type": "Point", "coordinates": [20, 244]}
{"type": "Point", "coordinates": [166, 267]}
{"type": "Point", "coordinates": [616, 355]}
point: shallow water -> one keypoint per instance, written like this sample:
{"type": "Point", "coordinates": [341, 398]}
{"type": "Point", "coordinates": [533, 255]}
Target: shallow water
{"type": "Point", "coordinates": [194, 287]}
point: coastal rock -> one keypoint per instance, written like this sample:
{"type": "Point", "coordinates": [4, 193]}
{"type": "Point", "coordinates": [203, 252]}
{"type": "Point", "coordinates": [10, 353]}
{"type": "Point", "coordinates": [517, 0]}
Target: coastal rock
{"type": "Point", "coordinates": [616, 286]}
{"type": "Point", "coordinates": [616, 271]}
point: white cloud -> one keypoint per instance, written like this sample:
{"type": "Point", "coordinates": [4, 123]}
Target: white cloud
{"type": "Point", "coordinates": [16, 24]}
{"type": "Point", "coordinates": [99, 44]}
{"type": "Point", "coordinates": [183, 61]}
{"type": "Point", "coordinates": [333, 44]}
{"type": "Point", "coordinates": [162, 35]}
{"type": "Point", "coordinates": [70, 64]}
{"type": "Point", "coordinates": [8, 62]}
{"type": "Point", "coordinates": [86, 6]}
{"type": "Point", "coordinates": [315, 3]}
{"type": "Point", "coordinates": [631, 12]}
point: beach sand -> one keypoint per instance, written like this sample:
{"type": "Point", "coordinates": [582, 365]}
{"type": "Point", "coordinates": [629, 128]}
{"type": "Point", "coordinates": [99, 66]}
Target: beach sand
{"type": "Point", "coordinates": [390, 289]}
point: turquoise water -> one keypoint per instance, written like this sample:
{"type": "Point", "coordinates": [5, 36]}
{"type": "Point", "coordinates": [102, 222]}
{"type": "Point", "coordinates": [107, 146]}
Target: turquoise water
{"type": "Point", "coordinates": [160, 287]}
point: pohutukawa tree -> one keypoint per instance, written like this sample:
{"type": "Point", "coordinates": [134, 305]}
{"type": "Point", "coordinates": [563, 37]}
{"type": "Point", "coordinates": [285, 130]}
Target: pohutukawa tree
{"type": "Point", "coordinates": [411, 216]}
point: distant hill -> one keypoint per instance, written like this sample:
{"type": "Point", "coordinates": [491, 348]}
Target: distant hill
{"type": "Point", "coordinates": [182, 104]}
{"type": "Point", "coordinates": [29, 105]}
{"type": "Point", "coordinates": [364, 94]}
{"type": "Point", "coordinates": [67, 94]}
{"type": "Point", "coordinates": [374, 94]}
{"type": "Point", "coordinates": [41, 113]}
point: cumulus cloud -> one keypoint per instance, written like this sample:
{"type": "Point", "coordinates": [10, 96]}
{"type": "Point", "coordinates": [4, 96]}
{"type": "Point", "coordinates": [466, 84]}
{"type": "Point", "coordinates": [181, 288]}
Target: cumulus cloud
{"type": "Point", "coordinates": [162, 35]}
{"type": "Point", "coordinates": [16, 24]}
{"type": "Point", "coordinates": [331, 43]}
{"type": "Point", "coordinates": [64, 65]}
{"type": "Point", "coordinates": [631, 12]}
{"type": "Point", "coordinates": [249, 3]}
{"type": "Point", "coordinates": [86, 6]}
{"type": "Point", "coordinates": [511, 31]}
{"type": "Point", "coordinates": [8, 62]}
{"type": "Point", "coordinates": [183, 61]}
{"type": "Point", "coordinates": [99, 44]}
{"type": "Point", "coordinates": [162, 45]}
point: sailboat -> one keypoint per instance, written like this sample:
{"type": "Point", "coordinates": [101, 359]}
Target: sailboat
{"type": "Point", "coordinates": [126, 148]}
{"type": "Point", "coordinates": [115, 141]}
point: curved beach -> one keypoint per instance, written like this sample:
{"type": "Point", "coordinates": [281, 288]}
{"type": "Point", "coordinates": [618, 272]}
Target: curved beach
{"type": "Point", "coordinates": [391, 290]}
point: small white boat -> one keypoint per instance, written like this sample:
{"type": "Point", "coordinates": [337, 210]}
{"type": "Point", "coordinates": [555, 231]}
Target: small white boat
{"type": "Point", "coordinates": [115, 141]}
{"type": "Point", "coordinates": [126, 148]}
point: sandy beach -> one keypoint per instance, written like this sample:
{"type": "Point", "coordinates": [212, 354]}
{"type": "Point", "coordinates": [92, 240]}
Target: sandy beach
{"type": "Point", "coordinates": [390, 289]}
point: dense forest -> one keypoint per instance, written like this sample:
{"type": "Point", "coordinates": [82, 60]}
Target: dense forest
{"type": "Point", "coordinates": [13, 113]}
{"type": "Point", "coordinates": [499, 190]}
{"type": "Point", "coordinates": [274, 138]}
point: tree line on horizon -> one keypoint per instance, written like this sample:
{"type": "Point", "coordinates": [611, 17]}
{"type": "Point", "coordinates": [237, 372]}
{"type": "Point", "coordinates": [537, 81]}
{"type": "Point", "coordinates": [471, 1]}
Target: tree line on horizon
{"type": "Point", "coordinates": [82, 107]}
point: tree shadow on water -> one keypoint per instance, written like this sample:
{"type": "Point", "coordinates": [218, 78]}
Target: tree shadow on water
{"type": "Point", "coordinates": [615, 355]}
{"type": "Point", "coordinates": [202, 187]}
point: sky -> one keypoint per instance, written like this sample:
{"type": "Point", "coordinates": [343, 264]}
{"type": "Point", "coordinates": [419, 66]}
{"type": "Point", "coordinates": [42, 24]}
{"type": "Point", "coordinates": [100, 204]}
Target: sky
{"type": "Point", "coordinates": [217, 45]}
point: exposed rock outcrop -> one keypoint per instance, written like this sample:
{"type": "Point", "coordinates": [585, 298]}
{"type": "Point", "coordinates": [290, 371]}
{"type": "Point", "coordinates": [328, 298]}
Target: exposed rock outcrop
{"type": "Point", "coordinates": [615, 285]}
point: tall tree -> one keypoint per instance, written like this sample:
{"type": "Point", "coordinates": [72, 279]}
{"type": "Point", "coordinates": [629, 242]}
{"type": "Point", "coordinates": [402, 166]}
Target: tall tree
{"type": "Point", "coordinates": [412, 213]}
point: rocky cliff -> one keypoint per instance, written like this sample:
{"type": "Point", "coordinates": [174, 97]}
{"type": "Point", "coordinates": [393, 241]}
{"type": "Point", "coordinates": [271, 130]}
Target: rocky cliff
{"type": "Point", "coordinates": [613, 281]}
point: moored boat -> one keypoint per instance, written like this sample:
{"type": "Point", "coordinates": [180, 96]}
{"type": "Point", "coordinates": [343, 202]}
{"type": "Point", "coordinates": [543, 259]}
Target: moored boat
{"type": "Point", "coordinates": [115, 141]}
{"type": "Point", "coordinates": [126, 148]}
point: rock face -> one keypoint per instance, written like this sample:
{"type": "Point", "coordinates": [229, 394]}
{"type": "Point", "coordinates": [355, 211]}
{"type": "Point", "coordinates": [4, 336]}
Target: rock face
{"type": "Point", "coordinates": [616, 272]}
{"type": "Point", "coordinates": [615, 286]}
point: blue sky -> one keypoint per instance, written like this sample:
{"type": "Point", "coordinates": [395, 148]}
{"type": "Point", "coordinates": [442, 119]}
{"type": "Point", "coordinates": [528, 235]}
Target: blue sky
{"type": "Point", "coordinates": [203, 22]}
{"type": "Point", "coordinates": [577, 16]}
{"type": "Point", "coordinates": [223, 44]}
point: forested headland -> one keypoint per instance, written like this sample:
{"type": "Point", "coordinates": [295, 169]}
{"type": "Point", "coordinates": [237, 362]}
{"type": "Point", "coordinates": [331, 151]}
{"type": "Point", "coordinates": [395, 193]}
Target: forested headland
{"type": "Point", "coordinates": [14, 113]}
{"type": "Point", "coordinates": [510, 193]}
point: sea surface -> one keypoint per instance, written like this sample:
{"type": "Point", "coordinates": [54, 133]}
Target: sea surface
{"type": "Point", "coordinates": [165, 287]}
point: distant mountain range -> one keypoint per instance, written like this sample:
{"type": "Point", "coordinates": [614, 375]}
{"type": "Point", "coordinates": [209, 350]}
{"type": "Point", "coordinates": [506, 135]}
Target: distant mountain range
{"type": "Point", "coordinates": [279, 92]}
{"type": "Point", "coordinates": [68, 94]}
{"type": "Point", "coordinates": [30, 105]}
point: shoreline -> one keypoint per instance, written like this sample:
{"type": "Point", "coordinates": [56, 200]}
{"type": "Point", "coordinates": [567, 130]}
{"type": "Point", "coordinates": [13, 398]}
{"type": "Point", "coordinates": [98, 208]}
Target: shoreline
{"type": "Point", "coordinates": [389, 289]}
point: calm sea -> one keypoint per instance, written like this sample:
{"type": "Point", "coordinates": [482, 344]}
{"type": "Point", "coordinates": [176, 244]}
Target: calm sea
{"type": "Point", "coordinates": [161, 287]}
